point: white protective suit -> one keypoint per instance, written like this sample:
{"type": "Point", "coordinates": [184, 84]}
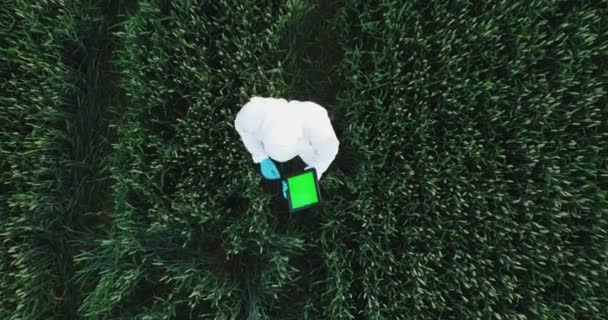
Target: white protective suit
{"type": "Point", "coordinates": [282, 129]}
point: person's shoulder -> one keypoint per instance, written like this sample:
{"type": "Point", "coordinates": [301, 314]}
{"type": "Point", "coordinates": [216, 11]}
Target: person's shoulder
{"type": "Point", "coordinates": [266, 101]}
{"type": "Point", "coordinates": [262, 105]}
{"type": "Point", "coordinates": [309, 106]}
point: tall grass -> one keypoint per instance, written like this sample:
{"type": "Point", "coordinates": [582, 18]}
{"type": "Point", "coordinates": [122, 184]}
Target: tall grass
{"type": "Point", "coordinates": [193, 235]}
{"type": "Point", "coordinates": [482, 193]}
{"type": "Point", "coordinates": [470, 183]}
{"type": "Point", "coordinates": [52, 151]}
{"type": "Point", "coordinates": [35, 87]}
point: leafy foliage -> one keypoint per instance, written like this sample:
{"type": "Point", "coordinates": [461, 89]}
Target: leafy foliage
{"type": "Point", "coordinates": [35, 85]}
{"type": "Point", "coordinates": [192, 230]}
{"type": "Point", "coordinates": [483, 190]}
{"type": "Point", "coordinates": [51, 151]}
{"type": "Point", "coordinates": [470, 183]}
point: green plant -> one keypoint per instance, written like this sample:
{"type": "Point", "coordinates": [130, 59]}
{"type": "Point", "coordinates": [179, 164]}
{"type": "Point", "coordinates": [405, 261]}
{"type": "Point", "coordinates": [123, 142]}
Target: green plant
{"type": "Point", "coordinates": [481, 193]}
{"type": "Point", "coordinates": [470, 182]}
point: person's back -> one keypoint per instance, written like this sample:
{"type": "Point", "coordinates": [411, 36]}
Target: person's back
{"type": "Point", "coordinates": [278, 129]}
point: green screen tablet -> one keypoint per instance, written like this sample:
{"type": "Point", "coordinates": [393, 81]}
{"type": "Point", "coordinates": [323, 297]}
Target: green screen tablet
{"type": "Point", "coordinates": [303, 190]}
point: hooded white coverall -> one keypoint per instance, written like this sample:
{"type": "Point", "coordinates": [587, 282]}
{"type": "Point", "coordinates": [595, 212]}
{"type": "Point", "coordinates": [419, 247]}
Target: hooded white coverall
{"type": "Point", "coordinates": [281, 130]}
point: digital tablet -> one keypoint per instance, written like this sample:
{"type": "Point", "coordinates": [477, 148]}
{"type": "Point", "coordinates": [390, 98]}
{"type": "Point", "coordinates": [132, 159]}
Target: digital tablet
{"type": "Point", "coordinates": [303, 191]}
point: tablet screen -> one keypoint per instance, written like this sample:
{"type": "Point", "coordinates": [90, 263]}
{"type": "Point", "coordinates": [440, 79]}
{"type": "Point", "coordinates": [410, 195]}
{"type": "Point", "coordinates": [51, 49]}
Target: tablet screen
{"type": "Point", "coordinates": [303, 190]}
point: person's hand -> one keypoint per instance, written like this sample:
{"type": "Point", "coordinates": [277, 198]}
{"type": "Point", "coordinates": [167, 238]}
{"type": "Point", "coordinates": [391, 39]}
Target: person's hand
{"type": "Point", "coordinates": [285, 189]}
{"type": "Point", "coordinates": [269, 169]}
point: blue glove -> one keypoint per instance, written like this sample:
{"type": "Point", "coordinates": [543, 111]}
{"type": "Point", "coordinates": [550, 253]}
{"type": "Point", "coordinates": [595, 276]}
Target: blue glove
{"type": "Point", "coordinates": [269, 170]}
{"type": "Point", "coordinates": [284, 189]}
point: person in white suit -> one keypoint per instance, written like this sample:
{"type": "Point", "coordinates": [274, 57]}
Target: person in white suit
{"type": "Point", "coordinates": [280, 130]}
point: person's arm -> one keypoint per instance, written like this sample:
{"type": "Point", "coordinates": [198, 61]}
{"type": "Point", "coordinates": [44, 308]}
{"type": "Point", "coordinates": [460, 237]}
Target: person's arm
{"type": "Point", "coordinates": [323, 140]}
{"type": "Point", "coordinates": [248, 122]}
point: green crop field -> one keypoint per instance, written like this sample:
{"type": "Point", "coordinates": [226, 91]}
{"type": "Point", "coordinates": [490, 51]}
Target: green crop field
{"type": "Point", "coordinates": [471, 181]}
